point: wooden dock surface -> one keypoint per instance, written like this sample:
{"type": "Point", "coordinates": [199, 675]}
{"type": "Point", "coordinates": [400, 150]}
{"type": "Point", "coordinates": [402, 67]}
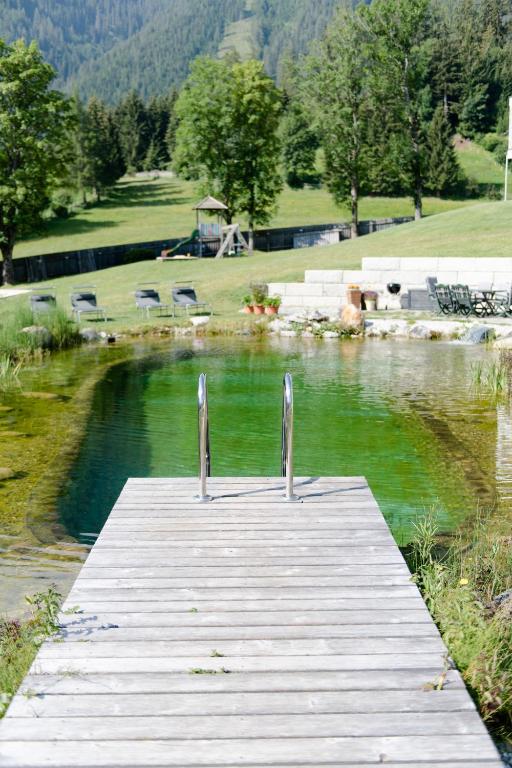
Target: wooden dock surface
{"type": "Point", "coordinates": [244, 632]}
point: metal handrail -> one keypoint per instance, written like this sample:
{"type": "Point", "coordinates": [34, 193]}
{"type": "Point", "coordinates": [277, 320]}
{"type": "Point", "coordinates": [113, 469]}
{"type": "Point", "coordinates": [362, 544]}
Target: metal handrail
{"type": "Point", "coordinates": [287, 437]}
{"type": "Point", "coordinates": [204, 438]}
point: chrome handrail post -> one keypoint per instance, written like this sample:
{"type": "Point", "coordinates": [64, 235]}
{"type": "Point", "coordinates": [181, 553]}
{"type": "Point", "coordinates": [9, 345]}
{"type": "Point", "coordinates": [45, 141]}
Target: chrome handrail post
{"type": "Point", "coordinates": [287, 438]}
{"type": "Point", "coordinates": [204, 438]}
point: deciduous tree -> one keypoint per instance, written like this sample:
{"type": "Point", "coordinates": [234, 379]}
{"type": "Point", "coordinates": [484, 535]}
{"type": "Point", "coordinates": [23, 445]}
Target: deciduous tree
{"type": "Point", "coordinates": [228, 135]}
{"type": "Point", "coordinates": [339, 91]}
{"type": "Point", "coordinates": [34, 142]}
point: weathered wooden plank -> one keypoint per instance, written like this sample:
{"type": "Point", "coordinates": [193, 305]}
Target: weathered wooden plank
{"type": "Point", "coordinates": [357, 531]}
{"type": "Point", "coordinates": [226, 618]}
{"type": "Point", "coordinates": [106, 633]}
{"type": "Point", "coordinates": [248, 545]}
{"type": "Point", "coordinates": [235, 510]}
{"type": "Point", "coordinates": [82, 591]}
{"type": "Point", "coordinates": [84, 582]}
{"type": "Point", "coordinates": [199, 572]}
{"type": "Point", "coordinates": [218, 606]}
{"type": "Point", "coordinates": [119, 649]}
{"type": "Point", "coordinates": [232, 664]}
{"type": "Point", "coordinates": [266, 703]}
{"type": "Point", "coordinates": [217, 523]}
{"type": "Point", "coordinates": [273, 726]}
{"type": "Point", "coordinates": [355, 681]}
{"type": "Point", "coordinates": [152, 558]}
{"type": "Point", "coordinates": [219, 752]}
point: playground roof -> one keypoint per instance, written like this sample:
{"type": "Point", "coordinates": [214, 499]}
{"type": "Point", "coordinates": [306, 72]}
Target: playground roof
{"type": "Point", "coordinates": [210, 204]}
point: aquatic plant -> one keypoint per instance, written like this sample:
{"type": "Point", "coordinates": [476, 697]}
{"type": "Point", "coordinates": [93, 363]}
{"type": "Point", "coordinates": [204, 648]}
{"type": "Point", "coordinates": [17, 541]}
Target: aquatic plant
{"type": "Point", "coordinates": [18, 345]}
{"type": "Point", "coordinates": [20, 640]}
{"type": "Point", "coordinates": [64, 331]}
{"type": "Point", "coordinates": [9, 371]}
{"type": "Point", "coordinates": [494, 377]}
{"type": "Point", "coordinates": [460, 585]}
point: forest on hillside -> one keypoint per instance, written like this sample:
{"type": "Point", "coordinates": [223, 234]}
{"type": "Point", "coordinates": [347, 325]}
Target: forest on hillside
{"type": "Point", "coordinates": [109, 47]}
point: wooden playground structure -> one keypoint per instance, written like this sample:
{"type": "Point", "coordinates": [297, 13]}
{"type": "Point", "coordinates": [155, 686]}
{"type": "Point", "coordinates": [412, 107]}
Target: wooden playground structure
{"type": "Point", "coordinates": [212, 237]}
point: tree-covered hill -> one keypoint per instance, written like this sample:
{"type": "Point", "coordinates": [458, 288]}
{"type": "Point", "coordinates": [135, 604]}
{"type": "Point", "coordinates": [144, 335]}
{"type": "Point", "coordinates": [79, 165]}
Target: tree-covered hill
{"type": "Point", "coordinates": [109, 47]}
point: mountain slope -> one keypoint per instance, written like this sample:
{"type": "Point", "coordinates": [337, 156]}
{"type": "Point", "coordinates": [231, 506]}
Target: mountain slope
{"type": "Point", "coordinates": [108, 47]}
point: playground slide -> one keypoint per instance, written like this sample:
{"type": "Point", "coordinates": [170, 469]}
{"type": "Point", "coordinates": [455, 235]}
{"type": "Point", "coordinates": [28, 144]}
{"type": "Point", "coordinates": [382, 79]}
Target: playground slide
{"type": "Point", "coordinates": [191, 238]}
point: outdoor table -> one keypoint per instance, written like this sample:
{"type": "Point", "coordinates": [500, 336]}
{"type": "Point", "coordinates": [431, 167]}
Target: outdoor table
{"type": "Point", "coordinates": [486, 295]}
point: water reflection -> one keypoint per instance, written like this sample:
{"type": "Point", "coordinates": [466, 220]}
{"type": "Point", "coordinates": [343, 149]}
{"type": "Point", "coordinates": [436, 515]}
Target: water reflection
{"type": "Point", "coordinates": [401, 413]}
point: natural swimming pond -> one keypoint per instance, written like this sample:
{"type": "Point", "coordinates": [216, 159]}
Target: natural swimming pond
{"type": "Point", "coordinates": [403, 414]}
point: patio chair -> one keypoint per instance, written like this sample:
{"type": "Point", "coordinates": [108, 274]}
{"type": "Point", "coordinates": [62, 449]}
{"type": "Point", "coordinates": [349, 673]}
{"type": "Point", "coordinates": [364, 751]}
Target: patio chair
{"type": "Point", "coordinates": [445, 299]}
{"type": "Point", "coordinates": [184, 297]}
{"type": "Point", "coordinates": [147, 298]}
{"type": "Point", "coordinates": [431, 288]}
{"type": "Point", "coordinates": [467, 302]}
{"type": "Point", "coordinates": [43, 301]}
{"type": "Point", "coordinates": [84, 302]}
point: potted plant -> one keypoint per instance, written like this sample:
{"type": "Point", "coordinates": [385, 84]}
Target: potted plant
{"type": "Point", "coordinates": [247, 302]}
{"type": "Point", "coordinates": [272, 305]}
{"type": "Point", "coordinates": [370, 300]}
{"type": "Point", "coordinates": [258, 299]}
{"type": "Point", "coordinates": [354, 295]}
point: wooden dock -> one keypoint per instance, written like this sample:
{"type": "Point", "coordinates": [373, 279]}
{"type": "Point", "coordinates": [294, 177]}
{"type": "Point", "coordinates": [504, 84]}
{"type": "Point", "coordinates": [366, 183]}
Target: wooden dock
{"type": "Point", "coordinates": [244, 632]}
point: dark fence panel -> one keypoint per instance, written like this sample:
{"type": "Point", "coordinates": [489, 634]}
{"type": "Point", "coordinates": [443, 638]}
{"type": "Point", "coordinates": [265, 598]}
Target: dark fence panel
{"type": "Point", "coordinates": [30, 269]}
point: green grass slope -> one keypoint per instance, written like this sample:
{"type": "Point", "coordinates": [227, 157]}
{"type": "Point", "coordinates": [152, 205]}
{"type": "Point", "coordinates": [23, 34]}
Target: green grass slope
{"type": "Point", "coordinates": [139, 211]}
{"type": "Point", "coordinates": [478, 164]}
{"type": "Point", "coordinates": [483, 230]}
{"type": "Point", "coordinates": [480, 230]}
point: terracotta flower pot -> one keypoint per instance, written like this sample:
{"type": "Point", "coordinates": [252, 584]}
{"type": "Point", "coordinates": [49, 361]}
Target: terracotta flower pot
{"type": "Point", "coordinates": [271, 310]}
{"type": "Point", "coordinates": [248, 309]}
{"type": "Point", "coordinates": [354, 297]}
{"type": "Point", "coordinates": [259, 309]}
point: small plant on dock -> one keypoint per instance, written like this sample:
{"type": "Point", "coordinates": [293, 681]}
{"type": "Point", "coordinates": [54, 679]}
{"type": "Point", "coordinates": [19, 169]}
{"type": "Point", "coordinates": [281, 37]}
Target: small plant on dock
{"type": "Point", "coordinates": [21, 639]}
{"type": "Point", "coordinates": [460, 586]}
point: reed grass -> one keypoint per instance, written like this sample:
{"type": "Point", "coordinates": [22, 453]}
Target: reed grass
{"type": "Point", "coordinates": [17, 346]}
{"type": "Point", "coordinates": [459, 585]}
{"type": "Point", "coordinates": [494, 377]}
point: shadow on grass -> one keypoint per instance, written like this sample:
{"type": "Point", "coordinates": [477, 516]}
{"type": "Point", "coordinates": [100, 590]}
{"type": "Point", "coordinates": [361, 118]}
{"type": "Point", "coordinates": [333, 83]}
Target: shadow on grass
{"type": "Point", "coordinates": [138, 195]}
{"type": "Point", "coordinates": [70, 227]}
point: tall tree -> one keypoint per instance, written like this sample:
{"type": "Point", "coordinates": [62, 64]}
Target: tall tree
{"type": "Point", "coordinates": [300, 144]}
{"type": "Point", "coordinates": [400, 30]}
{"type": "Point", "coordinates": [34, 142]}
{"type": "Point", "coordinates": [105, 165]}
{"type": "Point", "coordinates": [134, 133]}
{"type": "Point", "coordinates": [228, 136]}
{"type": "Point", "coordinates": [443, 169]}
{"type": "Point", "coordinates": [339, 85]}
{"type": "Point", "coordinates": [78, 168]}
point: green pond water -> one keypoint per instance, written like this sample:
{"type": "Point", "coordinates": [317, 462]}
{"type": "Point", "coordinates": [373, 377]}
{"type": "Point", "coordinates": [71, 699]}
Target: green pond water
{"type": "Point", "coordinates": [403, 414]}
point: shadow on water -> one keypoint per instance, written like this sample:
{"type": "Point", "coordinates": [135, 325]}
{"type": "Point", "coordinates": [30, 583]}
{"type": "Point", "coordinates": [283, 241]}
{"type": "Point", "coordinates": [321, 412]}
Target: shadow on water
{"type": "Point", "coordinates": [115, 447]}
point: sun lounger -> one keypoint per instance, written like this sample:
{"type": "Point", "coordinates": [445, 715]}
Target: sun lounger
{"type": "Point", "coordinates": [42, 301]}
{"type": "Point", "coordinates": [84, 302]}
{"type": "Point", "coordinates": [147, 299]}
{"type": "Point", "coordinates": [184, 297]}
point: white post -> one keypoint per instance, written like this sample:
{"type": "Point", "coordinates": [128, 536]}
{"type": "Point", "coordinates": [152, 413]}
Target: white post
{"type": "Point", "coordinates": [509, 149]}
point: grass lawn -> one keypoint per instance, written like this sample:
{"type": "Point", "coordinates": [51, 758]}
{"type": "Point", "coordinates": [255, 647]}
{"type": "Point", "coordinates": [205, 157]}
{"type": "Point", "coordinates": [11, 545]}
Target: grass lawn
{"type": "Point", "coordinates": [482, 230]}
{"type": "Point", "coordinates": [139, 211]}
{"type": "Point", "coordinates": [478, 164]}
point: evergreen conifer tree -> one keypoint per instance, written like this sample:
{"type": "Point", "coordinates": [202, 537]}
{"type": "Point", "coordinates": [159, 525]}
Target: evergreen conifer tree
{"type": "Point", "coordinates": [443, 169]}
